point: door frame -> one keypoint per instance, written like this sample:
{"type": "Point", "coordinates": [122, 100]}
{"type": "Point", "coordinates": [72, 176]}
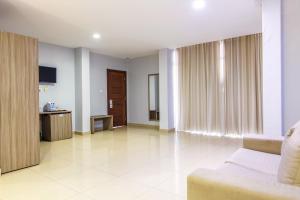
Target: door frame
{"type": "Point", "coordinates": [107, 89]}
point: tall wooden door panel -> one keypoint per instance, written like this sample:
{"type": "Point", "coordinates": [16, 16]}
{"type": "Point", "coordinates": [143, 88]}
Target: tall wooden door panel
{"type": "Point", "coordinates": [19, 111]}
{"type": "Point", "coordinates": [116, 96]}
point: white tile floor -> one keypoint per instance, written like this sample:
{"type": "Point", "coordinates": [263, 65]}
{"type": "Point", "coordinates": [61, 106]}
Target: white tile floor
{"type": "Point", "coordinates": [128, 163]}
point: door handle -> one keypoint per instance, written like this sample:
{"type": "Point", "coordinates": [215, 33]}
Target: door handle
{"type": "Point", "coordinates": [110, 103]}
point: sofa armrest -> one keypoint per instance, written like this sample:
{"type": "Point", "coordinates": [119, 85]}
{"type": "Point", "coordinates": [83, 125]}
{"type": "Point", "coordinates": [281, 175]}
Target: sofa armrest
{"type": "Point", "coordinates": [267, 144]}
{"type": "Point", "coordinates": [215, 185]}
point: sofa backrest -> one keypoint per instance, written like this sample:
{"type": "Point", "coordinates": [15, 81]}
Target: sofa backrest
{"type": "Point", "coordinates": [289, 168]}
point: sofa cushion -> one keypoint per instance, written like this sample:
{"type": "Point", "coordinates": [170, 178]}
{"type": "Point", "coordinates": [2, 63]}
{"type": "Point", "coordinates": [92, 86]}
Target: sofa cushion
{"type": "Point", "coordinates": [237, 170]}
{"type": "Point", "coordinates": [289, 169]}
{"type": "Point", "coordinates": [263, 143]}
{"type": "Point", "coordinates": [255, 160]}
{"type": "Point", "coordinates": [221, 184]}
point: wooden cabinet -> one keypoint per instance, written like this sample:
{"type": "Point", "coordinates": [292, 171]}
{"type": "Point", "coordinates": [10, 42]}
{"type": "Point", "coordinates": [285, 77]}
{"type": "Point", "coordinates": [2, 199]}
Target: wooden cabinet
{"type": "Point", "coordinates": [19, 102]}
{"type": "Point", "coordinates": [56, 125]}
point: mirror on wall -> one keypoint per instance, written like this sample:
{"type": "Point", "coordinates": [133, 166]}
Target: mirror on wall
{"type": "Point", "coordinates": [153, 97]}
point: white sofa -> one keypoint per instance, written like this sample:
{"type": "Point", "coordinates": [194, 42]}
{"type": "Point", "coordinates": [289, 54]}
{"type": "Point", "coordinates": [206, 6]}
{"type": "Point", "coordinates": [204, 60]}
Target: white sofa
{"type": "Point", "coordinates": [250, 174]}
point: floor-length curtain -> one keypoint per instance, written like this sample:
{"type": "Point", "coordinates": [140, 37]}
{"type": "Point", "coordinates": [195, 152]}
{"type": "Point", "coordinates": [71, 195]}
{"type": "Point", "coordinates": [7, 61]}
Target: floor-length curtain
{"type": "Point", "coordinates": [221, 93]}
{"type": "Point", "coordinates": [199, 97]}
{"type": "Point", "coordinates": [243, 84]}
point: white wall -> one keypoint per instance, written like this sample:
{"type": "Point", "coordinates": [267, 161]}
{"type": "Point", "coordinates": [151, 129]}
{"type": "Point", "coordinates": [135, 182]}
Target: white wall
{"type": "Point", "coordinates": [98, 82]}
{"type": "Point", "coordinates": [138, 70]}
{"type": "Point", "coordinates": [78, 92]}
{"type": "Point", "coordinates": [63, 92]}
{"type": "Point", "coordinates": [272, 70]}
{"type": "Point", "coordinates": [82, 89]}
{"type": "Point", "coordinates": [166, 103]}
{"type": "Point", "coordinates": [291, 44]}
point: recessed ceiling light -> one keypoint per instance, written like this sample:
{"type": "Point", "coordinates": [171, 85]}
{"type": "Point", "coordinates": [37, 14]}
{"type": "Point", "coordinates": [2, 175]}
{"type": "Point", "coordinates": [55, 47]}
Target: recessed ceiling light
{"type": "Point", "coordinates": [199, 4]}
{"type": "Point", "coordinates": [96, 36]}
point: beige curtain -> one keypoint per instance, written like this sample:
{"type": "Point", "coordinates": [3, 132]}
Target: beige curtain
{"type": "Point", "coordinates": [221, 97]}
{"type": "Point", "coordinates": [243, 84]}
{"type": "Point", "coordinates": [199, 88]}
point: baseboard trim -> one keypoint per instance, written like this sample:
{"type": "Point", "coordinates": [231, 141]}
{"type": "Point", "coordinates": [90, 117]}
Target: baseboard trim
{"type": "Point", "coordinates": [143, 125]}
{"type": "Point", "coordinates": [167, 130]}
{"type": "Point", "coordinates": [81, 133]}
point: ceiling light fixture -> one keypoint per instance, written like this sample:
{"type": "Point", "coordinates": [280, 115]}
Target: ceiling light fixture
{"type": "Point", "coordinates": [96, 36]}
{"type": "Point", "coordinates": [199, 4]}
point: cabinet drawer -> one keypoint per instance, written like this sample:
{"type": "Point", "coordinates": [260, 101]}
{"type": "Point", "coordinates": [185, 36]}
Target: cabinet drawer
{"type": "Point", "coordinates": [57, 127]}
{"type": "Point", "coordinates": [61, 126]}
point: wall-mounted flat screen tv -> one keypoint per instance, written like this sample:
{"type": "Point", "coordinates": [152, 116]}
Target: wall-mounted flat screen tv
{"type": "Point", "coordinates": [47, 74]}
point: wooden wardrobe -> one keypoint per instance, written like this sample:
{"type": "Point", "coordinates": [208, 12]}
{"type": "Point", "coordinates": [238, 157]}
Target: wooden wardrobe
{"type": "Point", "coordinates": [19, 102]}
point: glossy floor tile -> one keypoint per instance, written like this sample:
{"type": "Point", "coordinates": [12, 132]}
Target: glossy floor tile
{"type": "Point", "coordinates": [125, 164]}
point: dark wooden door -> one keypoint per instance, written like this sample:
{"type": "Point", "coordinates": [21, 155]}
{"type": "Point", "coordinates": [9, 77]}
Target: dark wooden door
{"type": "Point", "coordinates": [116, 96]}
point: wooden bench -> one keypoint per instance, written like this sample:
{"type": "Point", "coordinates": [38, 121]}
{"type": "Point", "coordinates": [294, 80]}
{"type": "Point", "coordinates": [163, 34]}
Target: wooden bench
{"type": "Point", "coordinates": [107, 123]}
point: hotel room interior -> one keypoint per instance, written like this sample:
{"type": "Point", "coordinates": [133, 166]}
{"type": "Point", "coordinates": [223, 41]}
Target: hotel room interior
{"type": "Point", "coordinates": [149, 100]}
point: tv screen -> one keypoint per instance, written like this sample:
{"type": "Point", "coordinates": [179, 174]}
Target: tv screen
{"type": "Point", "coordinates": [47, 74]}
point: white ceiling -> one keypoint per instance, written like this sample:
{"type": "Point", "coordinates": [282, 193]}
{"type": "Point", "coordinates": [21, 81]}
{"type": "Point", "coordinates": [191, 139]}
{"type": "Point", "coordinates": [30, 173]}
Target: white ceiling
{"type": "Point", "coordinates": [129, 28]}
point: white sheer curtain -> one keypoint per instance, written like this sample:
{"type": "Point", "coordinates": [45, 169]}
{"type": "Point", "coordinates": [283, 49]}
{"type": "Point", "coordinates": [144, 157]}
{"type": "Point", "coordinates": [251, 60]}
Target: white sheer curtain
{"type": "Point", "coordinates": [199, 88]}
{"type": "Point", "coordinates": [243, 84]}
{"type": "Point", "coordinates": [221, 95]}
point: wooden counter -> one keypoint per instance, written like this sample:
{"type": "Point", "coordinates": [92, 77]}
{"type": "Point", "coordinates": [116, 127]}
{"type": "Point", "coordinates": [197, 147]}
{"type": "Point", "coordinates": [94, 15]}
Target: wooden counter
{"type": "Point", "coordinates": [56, 125]}
{"type": "Point", "coordinates": [55, 112]}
